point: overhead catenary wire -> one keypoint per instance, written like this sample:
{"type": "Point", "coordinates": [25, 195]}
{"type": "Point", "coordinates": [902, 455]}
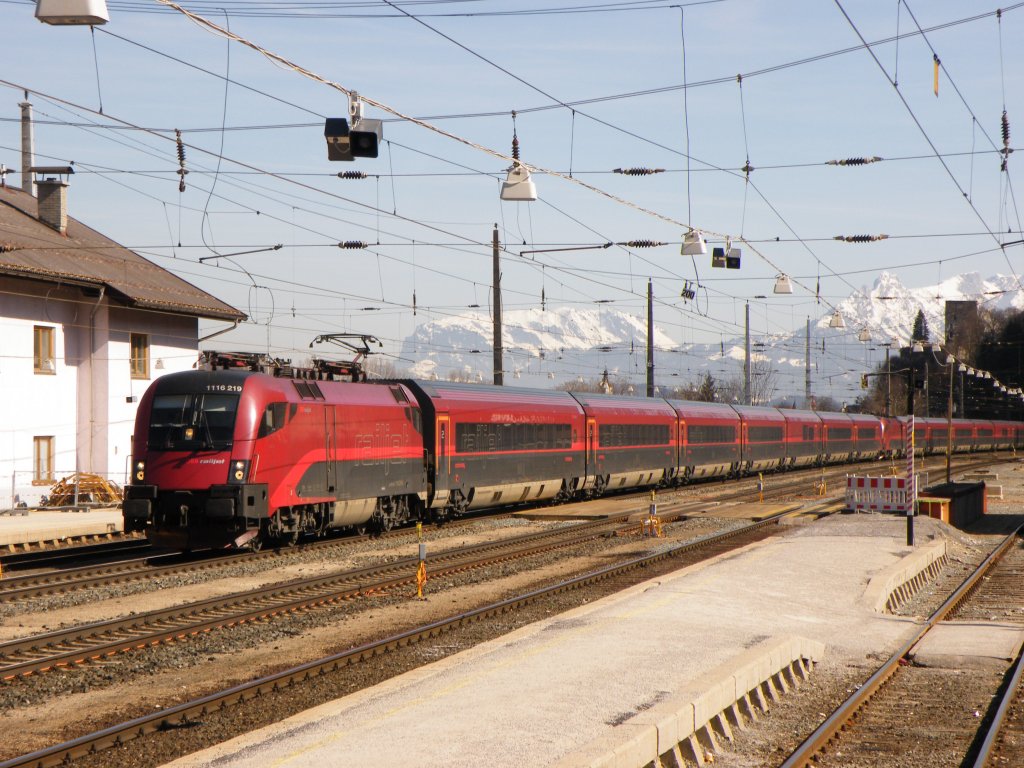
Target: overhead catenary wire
{"type": "Point", "coordinates": [927, 138]}
{"type": "Point", "coordinates": [378, 206]}
{"type": "Point", "coordinates": [216, 29]}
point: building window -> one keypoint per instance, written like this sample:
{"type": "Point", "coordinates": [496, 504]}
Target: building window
{"type": "Point", "coordinates": [139, 343]}
{"type": "Point", "coordinates": [43, 360]}
{"type": "Point", "coordinates": [42, 460]}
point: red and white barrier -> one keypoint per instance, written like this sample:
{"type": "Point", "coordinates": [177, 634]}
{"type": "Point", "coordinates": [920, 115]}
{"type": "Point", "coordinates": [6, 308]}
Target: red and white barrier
{"type": "Point", "coordinates": [877, 494]}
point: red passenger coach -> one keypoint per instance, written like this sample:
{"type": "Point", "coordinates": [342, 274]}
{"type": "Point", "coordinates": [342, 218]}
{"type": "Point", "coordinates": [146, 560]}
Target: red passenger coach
{"type": "Point", "coordinates": [803, 437]}
{"type": "Point", "coordinates": [893, 436]}
{"type": "Point", "coordinates": [631, 441]}
{"type": "Point", "coordinates": [763, 433]}
{"type": "Point", "coordinates": [492, 446]}
{"type": "Point", "coordinates": [840, 443]}
{"type": "Point", "coordinates": [929, 435]}
{"type": "Point", "coordinates": [709, 439]}
{"type": "Point", "coordinates": [867, 431]}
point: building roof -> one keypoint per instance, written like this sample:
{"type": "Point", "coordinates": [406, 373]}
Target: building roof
{"type": "Point", "coordinates": [31, 249]}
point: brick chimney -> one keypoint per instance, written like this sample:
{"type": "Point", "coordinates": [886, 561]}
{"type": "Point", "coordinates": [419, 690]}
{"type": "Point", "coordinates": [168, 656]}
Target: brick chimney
{"type": "Point", "coordinates": [53, 204]}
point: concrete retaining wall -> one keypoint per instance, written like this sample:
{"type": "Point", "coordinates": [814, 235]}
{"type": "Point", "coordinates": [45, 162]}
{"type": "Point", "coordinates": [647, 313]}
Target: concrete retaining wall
{"type": "Point", "coordinates": [893, 586]}
{"type": "Point", "coordinates": [690, 725]}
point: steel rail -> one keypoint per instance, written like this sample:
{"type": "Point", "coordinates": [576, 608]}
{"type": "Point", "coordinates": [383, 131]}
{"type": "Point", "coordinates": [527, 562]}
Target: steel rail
{"type": "Point", "coordinates": [189, 712]}
{"type": "Point", "coordinates": [105, 575]}
{"type": "Point", "coordinates": [988, 745]}
{"type": "Point", "coordinates": [43, 558]}
{"type": "Point", "coordinates": [824, 733]}
{"type": "Point", "coordinates": [92, 642]}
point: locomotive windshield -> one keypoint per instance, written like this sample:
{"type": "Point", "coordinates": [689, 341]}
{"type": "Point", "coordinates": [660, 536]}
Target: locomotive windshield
{"type": "Point", "coordinates": [192, 421]}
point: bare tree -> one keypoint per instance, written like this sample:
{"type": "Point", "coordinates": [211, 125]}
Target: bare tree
{"type": "Point", "coordinates": [764, 381]}
{"type": "Point", "coordinates": [381, 368]}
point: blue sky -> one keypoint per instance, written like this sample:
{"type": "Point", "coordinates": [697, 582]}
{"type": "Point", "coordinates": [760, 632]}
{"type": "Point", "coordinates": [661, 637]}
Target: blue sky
{"type": "Point", "coordinates": [431, 202]}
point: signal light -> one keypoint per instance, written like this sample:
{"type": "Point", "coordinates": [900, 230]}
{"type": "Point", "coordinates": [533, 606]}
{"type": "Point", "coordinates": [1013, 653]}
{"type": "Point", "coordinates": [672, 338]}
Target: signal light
{"type": "Point", "coordinates": [727, 257]}
{"type": "Point", "coordinates": [365, 138]}
{"type": "Point", "coordinates": [336, 132]}
{"type": "Point", "coordinates": [360, 138]}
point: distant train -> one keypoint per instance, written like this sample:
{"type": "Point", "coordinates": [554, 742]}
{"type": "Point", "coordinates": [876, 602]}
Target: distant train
{"type": "Point", "coordinates": [242, 459]}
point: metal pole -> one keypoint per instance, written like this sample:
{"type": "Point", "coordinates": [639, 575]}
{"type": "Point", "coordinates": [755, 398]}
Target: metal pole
{"type": "Point", "coordinates": [495, 251]}
{"type": "Point", "coordinates": [910, 385]}
{"type": "Point", "coordinates": [888, 384]}
{"type": "Point", "coordinates": [650, 339]}
{"type": "Point", "coordinates": [949, 423]}
{"type": "Point", "coordinates": [746, 360]}
{"type": "Point", "coordinates": [807, 366]}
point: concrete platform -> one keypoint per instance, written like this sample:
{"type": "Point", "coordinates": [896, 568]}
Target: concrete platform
{"type": "Point", "coordinates": [16, 531]}
{"type": "Point", "coordinates": [617, 682]}
{"type": "Point", "coordinates": [969, 645]}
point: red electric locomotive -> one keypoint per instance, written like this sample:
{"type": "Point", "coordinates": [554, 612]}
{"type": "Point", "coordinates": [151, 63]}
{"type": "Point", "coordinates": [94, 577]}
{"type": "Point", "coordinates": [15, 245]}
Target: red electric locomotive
{"type": "Point", "coordinates": [231, 458]}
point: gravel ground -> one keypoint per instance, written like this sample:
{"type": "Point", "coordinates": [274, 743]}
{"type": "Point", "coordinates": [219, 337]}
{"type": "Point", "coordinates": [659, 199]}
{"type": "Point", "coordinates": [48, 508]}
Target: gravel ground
{"type": "Point", "coordinates": [60, 706]}
{"type": "Point", "coordinates": [136, 683]}
{"type": "Point", "coordinates": [769, 742]}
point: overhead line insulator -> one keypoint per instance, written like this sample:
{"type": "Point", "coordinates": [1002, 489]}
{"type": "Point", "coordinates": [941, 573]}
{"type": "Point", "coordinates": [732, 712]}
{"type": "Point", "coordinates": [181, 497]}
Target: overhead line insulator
{"type": "Point", "coordinates": [860, 238]}
{"type": "Point", "coordinates": [641, 243]}
{"type": "Point", "coordinates": [352, 175]}
{"type": "Point", "coordinates": [855, 161]}
{"type": "Point", "coordinates": [352, 244]}
{"type": "Point", "coordinates": [638, 171]}
{"type": "Point", "coordinates": [182, 172]}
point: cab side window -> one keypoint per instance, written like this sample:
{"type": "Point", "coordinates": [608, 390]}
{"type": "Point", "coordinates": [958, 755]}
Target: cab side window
{"type": "Point", "coordinates": [273, 419]}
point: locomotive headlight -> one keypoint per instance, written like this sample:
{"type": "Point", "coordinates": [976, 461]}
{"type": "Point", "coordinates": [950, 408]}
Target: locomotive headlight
{"type": "Point", "coordinates": [140, 471]}
{"type": "Point", "coordinates": [239, 471]}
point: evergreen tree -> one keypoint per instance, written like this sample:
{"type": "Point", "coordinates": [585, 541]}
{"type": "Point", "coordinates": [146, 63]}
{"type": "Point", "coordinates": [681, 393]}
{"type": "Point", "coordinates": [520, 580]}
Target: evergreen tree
{"type": "Point", "coordinates": [706, 390]}
{"type": "Point", "coordinates": [920, 332]}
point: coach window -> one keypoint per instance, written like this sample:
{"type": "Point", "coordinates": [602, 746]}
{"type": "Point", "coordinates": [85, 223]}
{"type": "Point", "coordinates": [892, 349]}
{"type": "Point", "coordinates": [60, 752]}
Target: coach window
{"type": "Point", "coordinates": [139, 355]}
{"type": "Point", "coordinates": [43, 360]}
{"type": "Point", "coordinates": [42, 460]}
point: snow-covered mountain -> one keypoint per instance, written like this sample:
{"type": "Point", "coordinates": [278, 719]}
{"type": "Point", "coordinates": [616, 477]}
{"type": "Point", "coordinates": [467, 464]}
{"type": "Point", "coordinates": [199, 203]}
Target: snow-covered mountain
{"type": "Point", "coordinates": [546, 348]}
{"type": "Point", "coordinates": [888, 308]}
{"type": "Point", "coordinates": [541, 345]}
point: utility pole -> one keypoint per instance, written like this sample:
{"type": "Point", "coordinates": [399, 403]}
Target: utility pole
{"type": "Point", "coordinates": [949, 420]}
{"type": "Point", "coordinates": [746, 360]}
{"type": "Point", "coordinates": [888, 382]}
{"type": "Point", "coordinates": [650, 339]}
{"type": "Point", "coordinates": [807, 366]}
{"type": "Point", "coordinates": [495, 250]}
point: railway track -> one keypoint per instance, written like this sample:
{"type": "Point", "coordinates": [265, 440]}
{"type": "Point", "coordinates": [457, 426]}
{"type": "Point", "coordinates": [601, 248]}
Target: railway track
{"type": "Point", "coordinates": [291, 681]}
{"type": "Point", "coordinates": [911, 715]}
{"type": "Point", "coordinates": [207, 707]}
{"type": "Point", "coordinates": [60, 556]}
{"type": "Point", "coordinates": [121, 571]}
{"type": "Point", "coordinates": [79, 645]}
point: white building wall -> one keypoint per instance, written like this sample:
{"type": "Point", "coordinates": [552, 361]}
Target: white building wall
{"type": "Point", "coordinates": [173, 346]}
{"type": "Point", "coordinates": [33, 404]}
{"type": "Point", "coordinates": [88, 404]}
